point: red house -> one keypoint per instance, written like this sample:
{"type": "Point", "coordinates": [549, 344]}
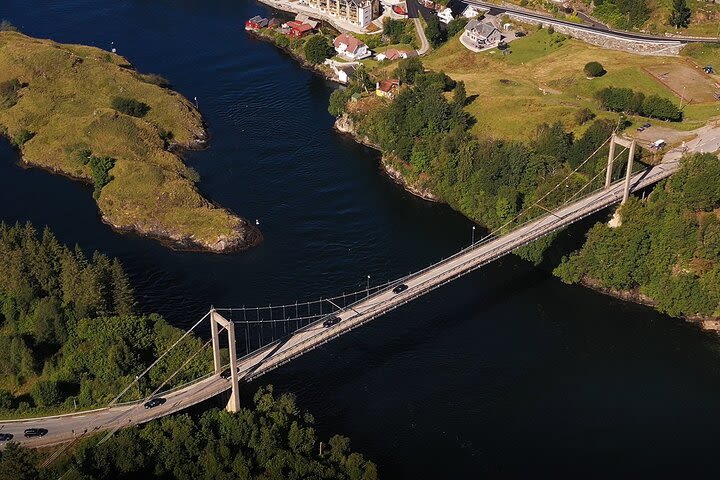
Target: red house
{"type": "Point", "coordinates": [256, 23]}
{"type": "Point", "coordinates": [299, 29]}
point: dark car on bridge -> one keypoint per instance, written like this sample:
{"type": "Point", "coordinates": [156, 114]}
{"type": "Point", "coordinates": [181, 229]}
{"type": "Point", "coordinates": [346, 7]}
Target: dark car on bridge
{"type": "Point", "coordinates": [400, 288]}
{"type": "Point", "coordinates": [154, 402]}
{"type": "Point", "coordinates": [331, 321]}
{"type": "Point", "coordinates": [226, 374]}
{"type": "Point", "coordinates": [6, 437]}
{"type": "Point", "coordinates": [35, 432]}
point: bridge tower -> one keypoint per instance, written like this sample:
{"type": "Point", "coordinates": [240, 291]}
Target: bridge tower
{"type": "Point", "coordinates": [216, 319]}
{"type": "Point", "coordinates": [631, 145]}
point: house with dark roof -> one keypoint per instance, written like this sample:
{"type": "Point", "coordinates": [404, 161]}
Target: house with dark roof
{"type": "Point", "coordinates": [481, 34]}
{"type": "Point", "coordinates": [256, 23]}
{"type": "Point", "coordinates": [350, 47]}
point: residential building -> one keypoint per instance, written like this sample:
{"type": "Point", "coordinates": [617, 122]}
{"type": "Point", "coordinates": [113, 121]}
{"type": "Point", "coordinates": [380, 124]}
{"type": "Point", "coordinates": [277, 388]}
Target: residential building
{"type": "Point", "coordinates": [472, 11]}
{"type": "Point", "coordinates": [298, 29]}
{"type": "Point", "coordinates": [357, 12]}
{"type": "Point", "coordinates": [387, 88]}
{"type": "Point", "coordinates": [391, 54]}
{"type": "Point", "coordinates": [445, 16]}
{"type": "Point", "coordinates": [481, 34]}
{"type": "Point", "coordinates": [256, 23]}
{"type": "Point", "coordinates": [350, 47]}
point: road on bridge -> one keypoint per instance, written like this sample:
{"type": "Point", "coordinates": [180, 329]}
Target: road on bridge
{"type": "Point", "coordinates": [67, 427]}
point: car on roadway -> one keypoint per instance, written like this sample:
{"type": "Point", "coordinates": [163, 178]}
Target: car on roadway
{"type": "Point", "coordinates": [154, 402]}
{"type": "Point", "coordinates": [646, 125]}
{"type": "Point", "coordinates": [226, 374]}
{"type": "Point", "coordinates": [35, 432]}
{"type": "Point", "coordinates": [641, 129]}
{"type": "Point", "coordinates": [6, 437]}
{"type": "Point", "coordinates": [334, 320]}
{"type": "Point", "coordinates": [400, 288]}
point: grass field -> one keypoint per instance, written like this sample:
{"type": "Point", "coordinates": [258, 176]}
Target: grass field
{"type": "Point", "coordinates": [542, 81]}
{"type": "Point", "coordinates": [65, 102]}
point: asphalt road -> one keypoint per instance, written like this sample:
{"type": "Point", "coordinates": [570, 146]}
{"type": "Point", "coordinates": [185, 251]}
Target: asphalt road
{"type": "Point", "coordinates": [593, 27]}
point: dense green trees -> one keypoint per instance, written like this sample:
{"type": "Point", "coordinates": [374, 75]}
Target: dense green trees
{"type": "Point", "coordinates": [318, 48]}
{"type": "Point", "coordinates": [425, 133]}
{"type": "Point", "coordinates": [130, 106]}
{"type": "Point", "coordinates": [667, 248]}
{"type": "Point", "coordinates": [680, 15]}
{"type": "Point", "coordinates": [274, 440]}
{"type": "Point", "coordinates": [632, 102]}
{"type": "Point", "coordinates": [67, 326]}
{"type": "Point", "coordinates": [435, 35]}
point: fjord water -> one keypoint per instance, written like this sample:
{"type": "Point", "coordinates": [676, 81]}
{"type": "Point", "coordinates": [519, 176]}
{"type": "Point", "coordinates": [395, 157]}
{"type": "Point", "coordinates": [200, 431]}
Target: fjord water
{"type": "Point", "coordinates": [506, 372]}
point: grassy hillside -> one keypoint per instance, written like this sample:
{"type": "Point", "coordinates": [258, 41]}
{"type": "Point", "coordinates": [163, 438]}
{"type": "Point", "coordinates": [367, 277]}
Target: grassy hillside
{"type": "Point", "coordinates": [59, 113]}
{"type": "Point", "coordinates": [542, 81]}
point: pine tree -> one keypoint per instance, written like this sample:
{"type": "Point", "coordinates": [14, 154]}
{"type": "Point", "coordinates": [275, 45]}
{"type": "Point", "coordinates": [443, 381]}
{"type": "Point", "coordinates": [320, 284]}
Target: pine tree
{"type": "Point", "coordinates": [680, 16]}
{"type": "Point", "coordinates": [122, 292]}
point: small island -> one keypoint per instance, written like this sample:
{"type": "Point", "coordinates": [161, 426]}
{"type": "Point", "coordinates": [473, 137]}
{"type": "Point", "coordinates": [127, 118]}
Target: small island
{"type": "Point", "coordinates": [87, 114]}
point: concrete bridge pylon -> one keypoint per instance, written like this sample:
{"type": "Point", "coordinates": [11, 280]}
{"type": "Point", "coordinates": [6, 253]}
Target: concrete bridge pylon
{"type": "Point", "coordinates": [216, 319]}
{"type": "Point", "coordinates": [631, 145]}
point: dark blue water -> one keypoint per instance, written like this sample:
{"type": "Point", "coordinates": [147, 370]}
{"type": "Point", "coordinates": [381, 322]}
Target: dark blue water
{"type": "Point", "coordinates": [505, 373]}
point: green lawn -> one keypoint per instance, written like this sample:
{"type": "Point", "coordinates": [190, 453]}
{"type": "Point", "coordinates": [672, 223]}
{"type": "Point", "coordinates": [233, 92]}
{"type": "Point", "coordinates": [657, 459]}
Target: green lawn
{"type": "Point", "coordinates": [542, 81]}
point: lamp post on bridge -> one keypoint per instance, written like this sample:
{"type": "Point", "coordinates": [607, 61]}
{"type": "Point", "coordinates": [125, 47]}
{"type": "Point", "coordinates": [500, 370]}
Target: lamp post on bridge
{"type": "Point", "coordinates": [367, 288]}
{"type": "Point", "coordinates": [472, 239]}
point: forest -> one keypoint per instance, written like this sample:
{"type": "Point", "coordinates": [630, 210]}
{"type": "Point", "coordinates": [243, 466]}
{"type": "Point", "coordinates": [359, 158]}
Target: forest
{"type": "Point", "coordinates": [70, 333]}
{"type": "Point", "coordinates": [424, 132]}
{"type": "Point", "coordinates": [274, 440]}
{"type": "Point", "coordinates": [667, 248]}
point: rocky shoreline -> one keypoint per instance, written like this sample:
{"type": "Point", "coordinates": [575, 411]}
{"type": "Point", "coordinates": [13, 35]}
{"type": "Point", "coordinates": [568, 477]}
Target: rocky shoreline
{"type": "Point", "coordinates": [345, 125]}
{"type": "Point", "coordinates": [708, 323]}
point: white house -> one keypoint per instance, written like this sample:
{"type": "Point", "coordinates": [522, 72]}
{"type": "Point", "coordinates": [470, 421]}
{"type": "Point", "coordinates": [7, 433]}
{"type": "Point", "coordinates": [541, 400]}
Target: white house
{"type": "Point", "coordinates": [350, 47]}
{"type": "Point", "coordinates": [446, 16]}
{"type": "Point", "coordinates": [480, 34]}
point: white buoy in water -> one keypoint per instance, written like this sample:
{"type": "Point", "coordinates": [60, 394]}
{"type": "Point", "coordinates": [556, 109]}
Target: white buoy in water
{"type": "Point", "coordinates": [257, 222]}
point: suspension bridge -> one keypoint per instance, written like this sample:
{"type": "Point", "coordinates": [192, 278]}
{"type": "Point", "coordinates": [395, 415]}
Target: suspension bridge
{"type": "Point", "coordinates": [274, 335]}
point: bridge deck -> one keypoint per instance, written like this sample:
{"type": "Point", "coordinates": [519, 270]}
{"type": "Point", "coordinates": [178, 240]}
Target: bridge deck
{"type": "Point", "coordinates": [64, 428]}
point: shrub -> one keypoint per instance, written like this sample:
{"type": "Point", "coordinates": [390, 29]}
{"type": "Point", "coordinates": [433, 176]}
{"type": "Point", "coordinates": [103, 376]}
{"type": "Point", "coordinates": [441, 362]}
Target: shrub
{"type": "Point", "coordinates": [583, 115]}
{"type": "Point", "coordinates": [6, 400]}
{"type": "Point", "coordinates": [338, 101]}
{"type": "Point", "coordinates": [99, 169]}
{"type": "Point", "coordinates": [9, 92]}
{"type": "Point", "coordinates": [456, 26]}
{"type": "Point", "coordinates": [130, 106]}
{"type": "Point", "coordinates": [46, 393]}
{"type": "Point", "coordinates": [594, 69]}
{"type": "Point", "coordinates": [22, 137]}
{"type": "Point", "coordinates": [408, 69]}
{"type": "Point", "coordinates": [394, 30]}
{"type": "Point", "coordinates": [317, 49]}
{"type": "Point", "coordinates": [662, 108]}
